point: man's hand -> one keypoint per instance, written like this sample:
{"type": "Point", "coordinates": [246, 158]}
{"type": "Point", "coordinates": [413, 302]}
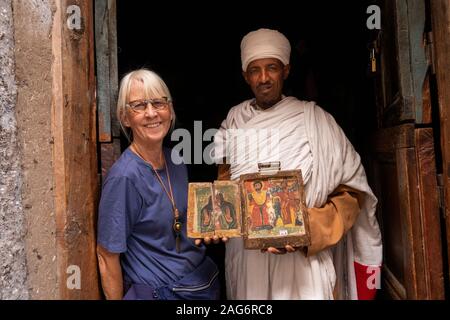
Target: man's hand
{"type": "Point", "coordinates": [284, 250]}
{"type": "Point", "coordinates": [207, 240]}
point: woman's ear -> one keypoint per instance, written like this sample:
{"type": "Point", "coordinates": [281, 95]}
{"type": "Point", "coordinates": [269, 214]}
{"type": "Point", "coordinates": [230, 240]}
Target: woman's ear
{"type": "Point", "coordinates": [124, 119]}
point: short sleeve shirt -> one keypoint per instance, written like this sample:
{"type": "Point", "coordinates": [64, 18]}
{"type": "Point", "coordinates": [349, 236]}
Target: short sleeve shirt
{"type": "Point", "coordinates": [136, 220]}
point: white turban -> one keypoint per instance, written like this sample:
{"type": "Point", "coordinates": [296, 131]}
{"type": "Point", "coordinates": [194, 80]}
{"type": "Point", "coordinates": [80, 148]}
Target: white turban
{"type": "Point", "coordinates": [264, 43]}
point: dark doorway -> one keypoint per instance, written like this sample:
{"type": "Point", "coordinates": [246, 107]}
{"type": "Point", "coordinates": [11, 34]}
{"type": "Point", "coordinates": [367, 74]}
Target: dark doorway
{"type": "Point", "coordinates": [196, 50]}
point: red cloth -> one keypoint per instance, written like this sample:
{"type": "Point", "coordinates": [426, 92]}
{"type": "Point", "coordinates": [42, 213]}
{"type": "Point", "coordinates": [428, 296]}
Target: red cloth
{"type": "Point", "coordinates": [367, 281]}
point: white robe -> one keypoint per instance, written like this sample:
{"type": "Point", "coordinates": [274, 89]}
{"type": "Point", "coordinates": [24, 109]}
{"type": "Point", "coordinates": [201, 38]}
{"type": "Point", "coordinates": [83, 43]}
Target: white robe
{"type": "Point", "coordinates": [309, 139]}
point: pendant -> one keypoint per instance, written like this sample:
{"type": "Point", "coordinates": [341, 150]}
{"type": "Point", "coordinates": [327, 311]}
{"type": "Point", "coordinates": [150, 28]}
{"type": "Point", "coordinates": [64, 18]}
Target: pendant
{"type": "Point", "coordinates": [177, 228]}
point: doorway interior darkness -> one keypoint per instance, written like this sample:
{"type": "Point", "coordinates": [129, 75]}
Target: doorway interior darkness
{"type": "Point", "coordinates": [195, 47]}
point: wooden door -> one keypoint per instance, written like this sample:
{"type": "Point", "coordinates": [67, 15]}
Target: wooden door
{"type": "Point", "coordinates": [440, 17]}
{"type": "Point", "coordinates": [405, 183]}
{"type": "Point", "coordinates": [404, 161]}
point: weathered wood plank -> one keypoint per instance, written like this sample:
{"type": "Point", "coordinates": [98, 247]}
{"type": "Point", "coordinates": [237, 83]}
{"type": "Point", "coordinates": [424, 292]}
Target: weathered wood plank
{"type": "Point", "coordinates": [110, 152]}
{"type": "Point", "coordinates": [395, 289]}
{"type": "Point", "coordinates": [426, 102]}
{"type": "Point", "coordinates": [429, 215]}
{"type": "Point", "coordinates": [440, 14]}
{"type": "Point", "coordinates": [113, 66]}
{"type": "Point", "coordinates": [406, 172]}
{"type": "Point", "coordinates": [407, 64]}
{"type": "Point", "coordinates": [103, 69]}
{"type": "Point", "coordinates": [409, 212]}
{"type": "Point", "coordinates": [390, 83]}
{"type": "Point", "coordinates": [404, 61]}
{"type": "Point", "coordinates": [390, 139]}
{"type": "Point", "coordinates": [419, 63]}
{"type": "Point", "coordinates": [75, 154]}
{"type": "Point", "coordinates": [107, 68]}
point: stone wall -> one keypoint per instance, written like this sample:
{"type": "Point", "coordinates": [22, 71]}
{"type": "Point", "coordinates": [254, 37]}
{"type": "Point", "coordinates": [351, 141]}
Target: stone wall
{"type": "Point", "coordinates": [13, 271]}
{"type": "Point", "coordinates": [33, 22]}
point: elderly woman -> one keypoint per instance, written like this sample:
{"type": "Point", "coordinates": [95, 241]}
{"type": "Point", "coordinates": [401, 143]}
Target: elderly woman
{"type": "Point", "coordinates": [142, 246]}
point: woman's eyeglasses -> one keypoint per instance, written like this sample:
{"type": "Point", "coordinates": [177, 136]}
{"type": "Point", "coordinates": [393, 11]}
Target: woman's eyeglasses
{"type": "Point", "coordinates": [140, 106]}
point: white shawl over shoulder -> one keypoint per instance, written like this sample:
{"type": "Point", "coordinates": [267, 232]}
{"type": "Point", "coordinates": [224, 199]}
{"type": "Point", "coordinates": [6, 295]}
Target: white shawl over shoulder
{"type": "Point", "coordinates": [335, 163]}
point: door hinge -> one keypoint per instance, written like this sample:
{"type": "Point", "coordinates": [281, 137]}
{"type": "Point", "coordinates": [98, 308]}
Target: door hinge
{"type": "Point", "coordinates": [441, 195]}
{"type": "Point", "coordinates": [429, 50]}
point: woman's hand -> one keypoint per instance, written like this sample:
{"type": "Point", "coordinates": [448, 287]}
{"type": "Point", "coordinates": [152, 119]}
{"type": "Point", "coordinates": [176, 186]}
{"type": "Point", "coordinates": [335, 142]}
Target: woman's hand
{"type": "Point", "coordinates": [207, 240]}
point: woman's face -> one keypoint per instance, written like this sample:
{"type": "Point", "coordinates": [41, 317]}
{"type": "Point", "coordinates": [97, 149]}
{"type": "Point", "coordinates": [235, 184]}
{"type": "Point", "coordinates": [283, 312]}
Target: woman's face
{"type": "Point", "coordinates": [149, 126]}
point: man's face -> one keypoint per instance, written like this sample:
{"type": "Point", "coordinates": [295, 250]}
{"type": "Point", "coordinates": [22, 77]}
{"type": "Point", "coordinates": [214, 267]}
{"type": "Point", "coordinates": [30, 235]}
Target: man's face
{"type": "Point", "coordinates": [266, 77]}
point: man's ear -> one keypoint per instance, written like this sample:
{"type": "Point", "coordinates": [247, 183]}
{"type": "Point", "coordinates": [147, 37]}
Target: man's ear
{"type": "Point", "coordinates": [286, 70]}
{"type": "Point", "coordinates": [244, 74]}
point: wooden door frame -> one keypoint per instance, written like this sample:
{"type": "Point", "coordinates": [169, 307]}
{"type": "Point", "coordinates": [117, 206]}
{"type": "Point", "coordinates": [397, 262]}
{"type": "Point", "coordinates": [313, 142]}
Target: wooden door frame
{"type": "Point", "coordinates": [75, 152]}
{"type": "Point", "coordinates": [412, 151]}
{"type": "Point", "coordinates": [440, 16]}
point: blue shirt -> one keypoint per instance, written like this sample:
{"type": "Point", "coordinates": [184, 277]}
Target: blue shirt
{"type": "Point", "coordinates": [136, 220]}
